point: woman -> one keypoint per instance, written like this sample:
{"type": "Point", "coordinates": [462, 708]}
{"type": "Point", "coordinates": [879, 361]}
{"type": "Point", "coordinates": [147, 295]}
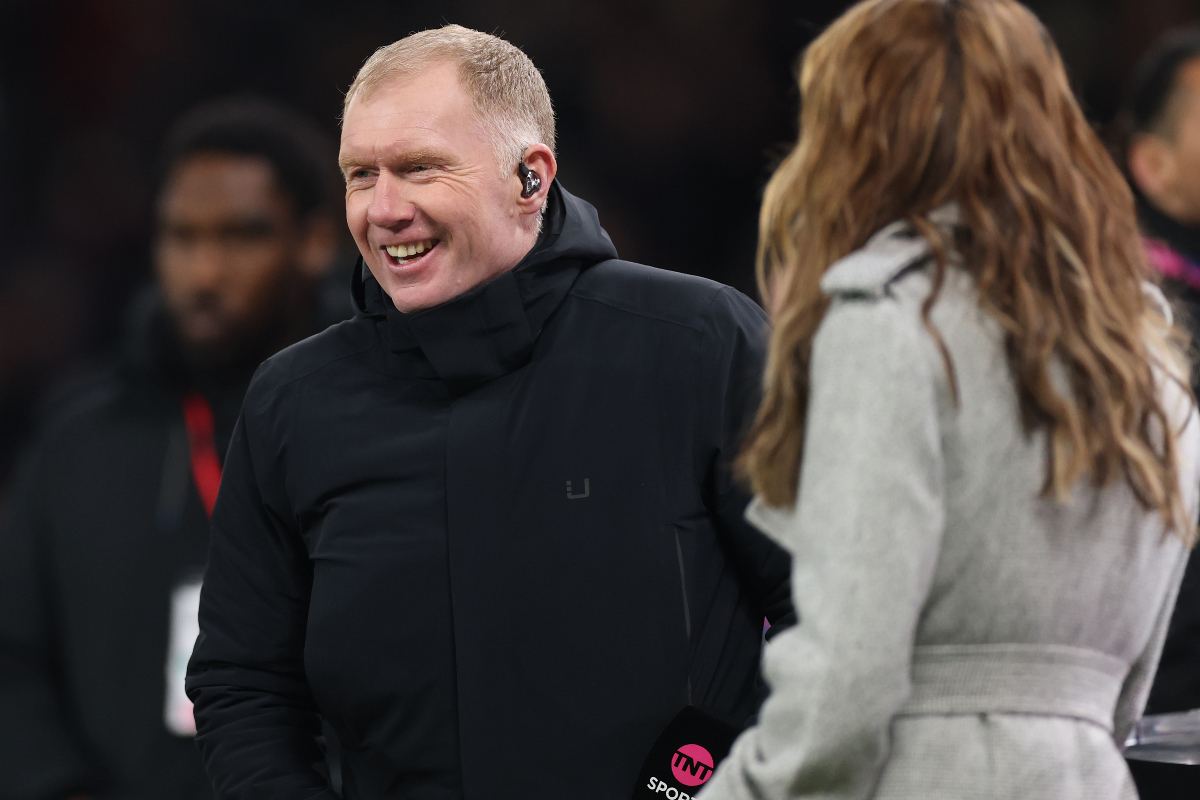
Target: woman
{"type": "Point", "coordinates": [962, 435]}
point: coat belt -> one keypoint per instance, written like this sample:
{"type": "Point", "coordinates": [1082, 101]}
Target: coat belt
{"type": "Point", "coordinates": [1046, 680]}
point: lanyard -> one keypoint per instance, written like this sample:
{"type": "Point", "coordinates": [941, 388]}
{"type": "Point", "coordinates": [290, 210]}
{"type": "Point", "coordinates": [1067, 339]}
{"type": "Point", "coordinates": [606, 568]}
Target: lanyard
{"type": "Point", "coordinates": [206, 467]}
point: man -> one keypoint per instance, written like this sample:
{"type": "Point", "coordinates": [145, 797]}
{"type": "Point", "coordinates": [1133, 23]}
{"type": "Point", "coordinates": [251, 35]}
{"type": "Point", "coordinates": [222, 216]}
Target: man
{"type": "Point", "coordinates": [485, 529]}
{"type": "Point", "coordinates": [105, 531]}
{"type": "Point", "coordinates": [1163, 113]}
{"type": "Point", "coordinates": [1163, 116]}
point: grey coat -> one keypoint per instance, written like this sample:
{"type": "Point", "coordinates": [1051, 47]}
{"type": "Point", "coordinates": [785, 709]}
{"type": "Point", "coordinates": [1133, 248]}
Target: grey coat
{"type": "Point", "coordinates": [960, 637]}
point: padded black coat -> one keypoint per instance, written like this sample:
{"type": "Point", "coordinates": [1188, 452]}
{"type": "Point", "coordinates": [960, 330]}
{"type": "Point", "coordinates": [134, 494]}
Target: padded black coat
{"type": "Point", "coordinates": [494, 544]}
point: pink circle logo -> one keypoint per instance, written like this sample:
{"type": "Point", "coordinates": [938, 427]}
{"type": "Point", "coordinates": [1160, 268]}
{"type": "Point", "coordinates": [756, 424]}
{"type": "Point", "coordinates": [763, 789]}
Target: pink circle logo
{"type": "Point", "coordinates": [692, 765]}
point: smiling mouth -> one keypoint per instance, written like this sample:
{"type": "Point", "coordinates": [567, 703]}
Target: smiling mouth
{"type": "Point", "coordinates": [400, 255]}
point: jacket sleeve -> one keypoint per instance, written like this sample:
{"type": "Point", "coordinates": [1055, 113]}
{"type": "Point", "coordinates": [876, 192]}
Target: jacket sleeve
{"type": "Point", "coordinates": [1177, 681]}
{"type": "Point", "coordinates": [864, 536]}
{"type": "Point", "coordinates": [39, 757]}
{"type": "Point", "coordinates": [1171, 618]}
{"type": "Point", "coordinates": [737, 333]}
{"type": "Point", "coordinates": [1165, 670]}
{"type": "Point", "coordinates": [1136, 688]}
{"type": "Point", "coordinates": [257, 724]}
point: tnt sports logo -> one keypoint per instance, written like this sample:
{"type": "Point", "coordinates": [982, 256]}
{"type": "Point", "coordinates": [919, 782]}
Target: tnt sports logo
{"type": "Point", "coordinates": [692, 765]}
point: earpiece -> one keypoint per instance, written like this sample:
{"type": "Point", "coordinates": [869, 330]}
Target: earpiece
{"type": "Point", "coordinates": [533, 181]}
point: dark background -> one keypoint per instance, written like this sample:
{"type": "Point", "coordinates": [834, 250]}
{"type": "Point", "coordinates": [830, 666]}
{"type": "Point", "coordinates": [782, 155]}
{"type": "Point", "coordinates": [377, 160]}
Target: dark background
{"type": "Point", "coordinates": [670, 113]}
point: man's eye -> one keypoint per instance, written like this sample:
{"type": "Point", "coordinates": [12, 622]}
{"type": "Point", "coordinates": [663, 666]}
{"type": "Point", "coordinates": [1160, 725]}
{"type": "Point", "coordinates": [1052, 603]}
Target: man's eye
{"type": "Point", "coordinates": [180, 235]}
{"type": "Point", "coordinates": [420, 168]}
{"type": "Point", "coordinates": [360, 173]}
{"type": "Point", "coordinates": [249, 231]}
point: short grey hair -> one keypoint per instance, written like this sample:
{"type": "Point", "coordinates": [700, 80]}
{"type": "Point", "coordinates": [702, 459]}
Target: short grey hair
{"type": "Point", "coordinates": [507, 90]}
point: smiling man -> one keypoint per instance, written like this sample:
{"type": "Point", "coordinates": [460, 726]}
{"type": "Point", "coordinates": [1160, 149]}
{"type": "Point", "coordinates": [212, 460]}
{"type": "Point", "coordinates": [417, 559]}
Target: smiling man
{"type": "Point", "coordinates": [485, 530]}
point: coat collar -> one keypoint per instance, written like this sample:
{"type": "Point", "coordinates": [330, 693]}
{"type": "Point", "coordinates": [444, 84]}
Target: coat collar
{"type": "Point", "coordinates": [889, 252]}
{"type": "Point", "coordinates": [490, 330]}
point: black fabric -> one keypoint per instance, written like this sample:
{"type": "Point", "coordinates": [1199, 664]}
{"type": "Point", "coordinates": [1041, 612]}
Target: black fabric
{"type": "Point", "coordinates": [1155, 781]}
{"type": "Point", "coordinates": [1158, 225]}
{"type": "Point", "coordinates": [496, 543]}
{"type": "Point", "coordinates": [100, 525]}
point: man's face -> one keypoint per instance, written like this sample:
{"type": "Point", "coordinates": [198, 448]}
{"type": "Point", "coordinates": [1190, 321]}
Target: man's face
{"type": "Point", "coordinates": [1187, 143]}
{"type": "Point", "coordinates": [1166, 165]}
{"type": "Point", "coordinates": [424, 198]}
{"type": "Point", "coordinates": [229, 255]}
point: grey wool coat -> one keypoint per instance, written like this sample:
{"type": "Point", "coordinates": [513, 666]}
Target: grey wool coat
{"type": "Point", "coordinates": [960, 636]}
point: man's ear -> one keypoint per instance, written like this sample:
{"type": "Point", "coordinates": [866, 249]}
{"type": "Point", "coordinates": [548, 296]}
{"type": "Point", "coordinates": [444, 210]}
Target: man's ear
{"type": "Point", "coordinates": [1152, 165]}
{"type": "Point", "coordinates": [317, 245]}
{"type": "Point", "coordinates": [540, 159]}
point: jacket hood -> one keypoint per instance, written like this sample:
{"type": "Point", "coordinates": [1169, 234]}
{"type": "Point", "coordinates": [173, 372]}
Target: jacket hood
{"type": "Point", "coordinates": [489, 330]}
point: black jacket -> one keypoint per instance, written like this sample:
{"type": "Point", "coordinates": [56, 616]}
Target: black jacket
{"type": "Point", "coordinates": [101, 523]}
{"type": "Point", "coordinates": [495, 544]}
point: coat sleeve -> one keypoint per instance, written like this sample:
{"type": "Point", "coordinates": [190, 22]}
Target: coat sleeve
{"type": "Point", "coordinates": [864, 537]}
{"type": "Point", "coordinates": [39, 757]}
{"type": "Point", "coordinates": [1152, 673]}
{"type": "Point", "coordinates": [1177, 680]}
{"type": "Point", "coordinates": [1136, 688]}
{"type": "Point", "coordinates": [257, 723]}
{"type": "Point", "coordinates": [737, 333]}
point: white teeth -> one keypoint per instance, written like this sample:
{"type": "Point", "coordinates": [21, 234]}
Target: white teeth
{"type": "Point", "coordinates": [404, 251]}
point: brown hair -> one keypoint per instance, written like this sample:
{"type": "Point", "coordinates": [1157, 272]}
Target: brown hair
{"type": "Point", "coordinates": [911, 104]}
{"type": "Point", "coordinates": [506, 89]}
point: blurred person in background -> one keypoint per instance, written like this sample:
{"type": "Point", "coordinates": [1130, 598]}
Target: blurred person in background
{"type": "Point", "coordinates": [486, 529]}
{"type": "Point", "coordinates": [104, 532]}
{"type": "Point", "coordinates": [977, 438]}
{"type": "Point", "coordinates": [1162, 114]}
{"type": "Point", "coordinates": [1161, 123]}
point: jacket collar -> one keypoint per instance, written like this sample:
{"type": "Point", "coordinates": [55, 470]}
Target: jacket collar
{"type": "Point", "coordinates": [889, 252]}
{"type": "Point", "coordinates": [490, 330]}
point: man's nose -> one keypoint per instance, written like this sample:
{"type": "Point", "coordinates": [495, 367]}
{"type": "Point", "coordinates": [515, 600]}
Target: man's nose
{"type": "Point", "coordinates": [207, 265]}
{"type": "Point", "coordinates": [390, 205]}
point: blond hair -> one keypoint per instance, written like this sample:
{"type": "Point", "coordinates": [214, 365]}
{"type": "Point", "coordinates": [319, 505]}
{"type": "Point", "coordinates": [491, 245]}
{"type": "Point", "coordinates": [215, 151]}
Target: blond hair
{"type": "Point", "coordinates": [507, 91]}
{"type": "Point", "coordinates": [910, 104]}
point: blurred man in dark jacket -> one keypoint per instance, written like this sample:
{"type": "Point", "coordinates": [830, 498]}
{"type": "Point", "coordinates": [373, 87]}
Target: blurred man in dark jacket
{"type": "Point", "coordinates": [487, 528]}
{"type": "Point", "coordinates": [1162, 115]}
{"type": "Point", "coordinates": [105, 531]}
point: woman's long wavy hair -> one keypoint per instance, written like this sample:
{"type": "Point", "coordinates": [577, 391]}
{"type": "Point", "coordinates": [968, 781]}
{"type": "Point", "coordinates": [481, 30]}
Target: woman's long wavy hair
{"type": "Point", "coordinates": [911, 104]}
